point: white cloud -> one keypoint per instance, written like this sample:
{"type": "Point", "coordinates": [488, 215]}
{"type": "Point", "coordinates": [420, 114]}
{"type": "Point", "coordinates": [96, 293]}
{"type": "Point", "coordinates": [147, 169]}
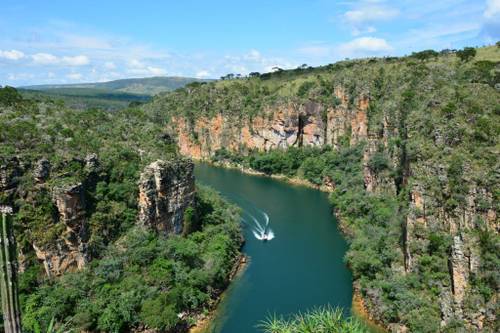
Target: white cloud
{"type": "Point", "coordinates": [134, 63]}
{"type": "Point", "coordinates": [370, 14]}
{"type": "Point", "coordinates": [12, 54]}
{"type": "Point", "coordinates": [156, 70]}
{"type": "Point", "coordinates": [50, 59]}
{"type": "Point", "coordinates": [109, 65]}
{"type": "Point", "coordinates": [490, 29]}
{"type": "Point", "coordinates": [74, 76]}
{"type": "Point", "coordinates": [202, 74]}
{"type": "Point", "coordinates": [492, 8]}
{"type": "Point", "coordinates": [364, 46]}
{"type": "Point", "coordinates": [79, 60]}
{"type": "Point", "coordinates": [44, 59]}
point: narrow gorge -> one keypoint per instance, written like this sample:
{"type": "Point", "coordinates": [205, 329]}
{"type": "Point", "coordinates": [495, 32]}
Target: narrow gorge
{"type": "Point", "coordinates": [420, 146]}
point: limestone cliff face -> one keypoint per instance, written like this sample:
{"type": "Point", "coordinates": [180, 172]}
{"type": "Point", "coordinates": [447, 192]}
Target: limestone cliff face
{"type": "Point", "coordinates": [166, 189]}
{"type": "Point", "coordinates": [308, 124]}
{"type": "Point", "coordinates": [69, 252]}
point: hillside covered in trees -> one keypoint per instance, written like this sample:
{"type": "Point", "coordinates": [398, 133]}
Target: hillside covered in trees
{"type": "Point", "coordinates": [408, 148]}
{"type": "Point", "coordinates": [103, 242]}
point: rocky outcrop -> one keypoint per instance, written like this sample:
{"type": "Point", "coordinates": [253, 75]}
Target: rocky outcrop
{"type": "Point", "coordinates": [41, 170]}
{"type": "Point", "coordinates": [166, 189]}
{"type": "Point", "coordinates": [285, 125]}
{"type": "Point", "coordinates": [10, 171]}
{"type": "Point", "coordinates": [69, 251]}
{"type": "Point", "coordinates": [459, 272]}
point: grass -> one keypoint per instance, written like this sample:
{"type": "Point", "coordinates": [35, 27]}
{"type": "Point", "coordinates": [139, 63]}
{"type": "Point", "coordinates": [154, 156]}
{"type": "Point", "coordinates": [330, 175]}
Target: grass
{"type": "Point", "coordinates": [320, 320]}
{"type": "Point", "coordinates": [491, 53]}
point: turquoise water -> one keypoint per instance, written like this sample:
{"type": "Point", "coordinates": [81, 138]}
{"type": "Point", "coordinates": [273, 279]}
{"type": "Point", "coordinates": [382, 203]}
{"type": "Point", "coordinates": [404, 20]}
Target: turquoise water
{"type": "Point", "coordinates": [301, 268]}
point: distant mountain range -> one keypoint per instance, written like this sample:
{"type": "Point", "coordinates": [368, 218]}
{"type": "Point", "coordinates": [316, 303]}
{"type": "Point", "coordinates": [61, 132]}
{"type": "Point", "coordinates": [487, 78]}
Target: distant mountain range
{"type": "Point", "coordinates": [144, 86]}
{"type": "Point", "coordinates": [108, 95]}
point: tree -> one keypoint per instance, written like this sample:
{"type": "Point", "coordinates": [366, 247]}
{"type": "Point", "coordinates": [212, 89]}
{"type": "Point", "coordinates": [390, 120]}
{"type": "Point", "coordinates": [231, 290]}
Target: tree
{"type": "Point", "coordinates": [9, 96]}
{"type": "Point", "coordinates": [425, 55]}
{"type": "Point", "coordinates": [498, 44]}
{"type": "Point", "coordinates": [466, 54]}
{"type": "Point", "coordinates": [254, 74]}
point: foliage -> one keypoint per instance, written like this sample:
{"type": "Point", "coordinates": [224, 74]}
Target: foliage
{"type": "Point", "coordinates": [321, 320]}
{"type": "Point", "coordinates": [9, 96]}
{"type": "Point", "coordinates": [425, 55]}
{"type": "Point", "coordinates": [466, 54]}
{"type": "Point", "coordinates": [434, 121]}
{"type": "Point", "coordinates": [144, 278]}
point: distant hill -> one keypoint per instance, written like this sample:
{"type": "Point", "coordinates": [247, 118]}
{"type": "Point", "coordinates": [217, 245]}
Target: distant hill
{"type": "Point", "coordinates": [110, 95]}
{"type": "Point", "coordinates": [144, 86]}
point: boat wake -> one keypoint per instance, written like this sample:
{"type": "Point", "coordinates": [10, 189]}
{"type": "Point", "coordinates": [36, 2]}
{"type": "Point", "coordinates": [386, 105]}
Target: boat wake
{"type": "Point", "coordinates": [260, 229]}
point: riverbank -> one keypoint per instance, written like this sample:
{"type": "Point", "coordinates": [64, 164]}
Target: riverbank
{"type": "Point", "coordinates": [203, 321]}
{"type": "Point", "coordinates": [360, 311]}
{"type": "Point", "coordinates": [359, 307]}
{"type": "Point", "coordinates": [290, 180]}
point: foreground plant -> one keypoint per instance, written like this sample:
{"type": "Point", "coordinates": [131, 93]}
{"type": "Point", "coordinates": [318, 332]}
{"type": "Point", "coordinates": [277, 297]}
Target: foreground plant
{"type": "Point", "coordinates": [321, 320]}
{"type": "Point", "coordinates": [8, 272]}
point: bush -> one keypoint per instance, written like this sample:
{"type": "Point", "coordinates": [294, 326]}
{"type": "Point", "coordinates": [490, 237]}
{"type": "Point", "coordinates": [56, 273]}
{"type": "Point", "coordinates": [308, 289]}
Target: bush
{"type": "Point", "coordinates": [425, 55]}
{"type": "Point", "coordinates": [466, 54]}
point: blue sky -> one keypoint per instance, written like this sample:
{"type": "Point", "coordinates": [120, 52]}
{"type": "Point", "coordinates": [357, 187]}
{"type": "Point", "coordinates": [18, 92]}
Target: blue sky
{"type": "Point", "coordinates": [57, 41]}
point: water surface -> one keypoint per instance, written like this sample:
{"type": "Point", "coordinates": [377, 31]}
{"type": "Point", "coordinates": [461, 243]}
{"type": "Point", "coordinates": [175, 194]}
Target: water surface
{"type": "Point", "coordinates": [301, 268]}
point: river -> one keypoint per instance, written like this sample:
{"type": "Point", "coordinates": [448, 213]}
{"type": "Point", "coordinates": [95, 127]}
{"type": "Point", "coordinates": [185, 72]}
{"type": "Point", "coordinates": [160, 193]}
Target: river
{"type": "Point", "coordinates": [301, 268]}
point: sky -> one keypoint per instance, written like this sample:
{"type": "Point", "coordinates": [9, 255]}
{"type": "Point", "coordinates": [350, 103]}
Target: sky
{"type": "Point", "coordinates": [73, 41]}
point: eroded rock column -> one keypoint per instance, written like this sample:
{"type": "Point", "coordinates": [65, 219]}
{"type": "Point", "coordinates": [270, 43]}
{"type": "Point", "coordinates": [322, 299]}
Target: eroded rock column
{"type": "Point", "coordinates": [166, 189]}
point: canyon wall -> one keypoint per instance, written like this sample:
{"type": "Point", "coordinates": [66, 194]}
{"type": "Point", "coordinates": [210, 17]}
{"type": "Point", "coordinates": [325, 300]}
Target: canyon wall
{"type": "Point", "coordinates": [286, 125]}
{"type": "Point", "coordinates": [312, 124]}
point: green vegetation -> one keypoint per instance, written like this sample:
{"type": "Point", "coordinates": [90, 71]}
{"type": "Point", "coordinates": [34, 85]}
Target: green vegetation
{"type": "Point", "coordinates": [466, 54]}
{"type": "Point", "coordinates": [433, 123]}
{"type": "Point", "coordinates": [323, 320]}
{"type": "Point", "coordinates": [86, 98]}
{"type": "Point", "coordinates": [143, 278]}
{"type": "Point", "coordinates": [136, 278]}
{"type": "Point", "coordinates": [434, 127]}
{"type": "Point", "coordinates": [112, 95]}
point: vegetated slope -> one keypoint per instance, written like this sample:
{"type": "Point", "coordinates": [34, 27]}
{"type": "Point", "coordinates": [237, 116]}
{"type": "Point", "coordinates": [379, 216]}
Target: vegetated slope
{"type": "Point", "coordinates": [410, 150]}
{"type": "Point", "coordinates": [141, 86]}
{"type": "Point", "coordinates": [96, 248]}
{"type": "Point", "coordinates": [85, 98]}
{"type": "Point", "coordinates": [112, 95]}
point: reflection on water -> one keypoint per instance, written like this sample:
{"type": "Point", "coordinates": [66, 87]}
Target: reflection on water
{"type": "Point", "coordinates": [299, 267]}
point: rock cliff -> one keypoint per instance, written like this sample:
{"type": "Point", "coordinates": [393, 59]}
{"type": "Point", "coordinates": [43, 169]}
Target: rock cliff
{"type": "Point", "coordinates": [166, 189]}
{"type": "Point", "coordinates": [69, 251]}
{"type": "Point", "coordinates": [389, 135]}
{"type": "Point", "coordinates": [286, 125]}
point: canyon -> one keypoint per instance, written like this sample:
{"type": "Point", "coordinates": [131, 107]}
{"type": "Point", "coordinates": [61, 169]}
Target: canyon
{"type": "Point", "coordinates": [312, 124]}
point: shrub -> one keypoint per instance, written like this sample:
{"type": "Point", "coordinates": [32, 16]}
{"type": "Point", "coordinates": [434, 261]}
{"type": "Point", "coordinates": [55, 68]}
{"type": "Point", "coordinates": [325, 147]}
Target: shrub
{"type": "Point", "coordinates": [466, 54]}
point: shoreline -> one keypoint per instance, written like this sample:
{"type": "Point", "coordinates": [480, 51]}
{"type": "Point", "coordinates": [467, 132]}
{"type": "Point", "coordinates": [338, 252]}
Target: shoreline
{"type": "Point", "coordinates": [203, 321]}
{"type": "Point", "coordinates": [280, 177]}
{"type": "Point", "coordinates": [361, 312]}
{"type": "Point", "coordinates": [358, 307]}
